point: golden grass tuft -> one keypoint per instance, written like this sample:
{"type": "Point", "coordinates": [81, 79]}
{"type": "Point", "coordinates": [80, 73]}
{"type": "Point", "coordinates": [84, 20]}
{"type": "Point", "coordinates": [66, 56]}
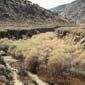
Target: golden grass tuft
{"type": "Point", "coordinates": [48, 56]}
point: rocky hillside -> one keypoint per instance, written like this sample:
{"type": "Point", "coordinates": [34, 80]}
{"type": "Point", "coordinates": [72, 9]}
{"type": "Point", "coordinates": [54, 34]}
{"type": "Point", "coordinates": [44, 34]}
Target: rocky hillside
{"type": "Point", "coordinates": [22, 10]}
{"type": "Point", "coordinates": [75, 11]}
{"type": "Point", "coordinates": [58, 9]}
{"type": "Point", "coordinates": [27, 13]}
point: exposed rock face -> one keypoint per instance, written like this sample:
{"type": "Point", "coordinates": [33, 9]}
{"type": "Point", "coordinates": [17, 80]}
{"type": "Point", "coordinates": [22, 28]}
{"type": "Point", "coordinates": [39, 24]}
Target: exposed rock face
{"type": "Point", "coordinates": [75, 11]}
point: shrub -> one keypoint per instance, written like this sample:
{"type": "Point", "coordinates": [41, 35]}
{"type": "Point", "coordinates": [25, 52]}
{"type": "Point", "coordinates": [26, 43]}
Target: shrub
{"type": "Point", "coordinates": [5, 44]}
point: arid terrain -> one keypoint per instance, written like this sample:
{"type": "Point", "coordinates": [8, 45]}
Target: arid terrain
{"type": "Point", "coordinates": [47, 50]}
{"type": "Point", "coordinates": [56, 58]}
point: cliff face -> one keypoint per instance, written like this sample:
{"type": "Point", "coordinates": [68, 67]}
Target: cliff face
{"type": "Point", "coordinates": [75, 11]}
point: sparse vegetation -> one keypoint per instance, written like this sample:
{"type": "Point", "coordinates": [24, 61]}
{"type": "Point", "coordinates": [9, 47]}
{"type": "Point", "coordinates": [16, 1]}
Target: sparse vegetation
{"type": "Point", "coordinates": [60, 59]}
{"type": "Point", "coordinates": [38, 47]}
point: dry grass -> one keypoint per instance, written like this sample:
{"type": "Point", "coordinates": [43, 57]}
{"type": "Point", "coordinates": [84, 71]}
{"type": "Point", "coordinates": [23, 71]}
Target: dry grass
{"type": "Point", "coordinates": [59, 59]}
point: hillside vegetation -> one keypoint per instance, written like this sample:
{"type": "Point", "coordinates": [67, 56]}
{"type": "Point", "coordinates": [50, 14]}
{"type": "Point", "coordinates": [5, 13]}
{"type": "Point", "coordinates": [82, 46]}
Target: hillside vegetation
{"type": "Point", "coordinates": [26, 13]}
